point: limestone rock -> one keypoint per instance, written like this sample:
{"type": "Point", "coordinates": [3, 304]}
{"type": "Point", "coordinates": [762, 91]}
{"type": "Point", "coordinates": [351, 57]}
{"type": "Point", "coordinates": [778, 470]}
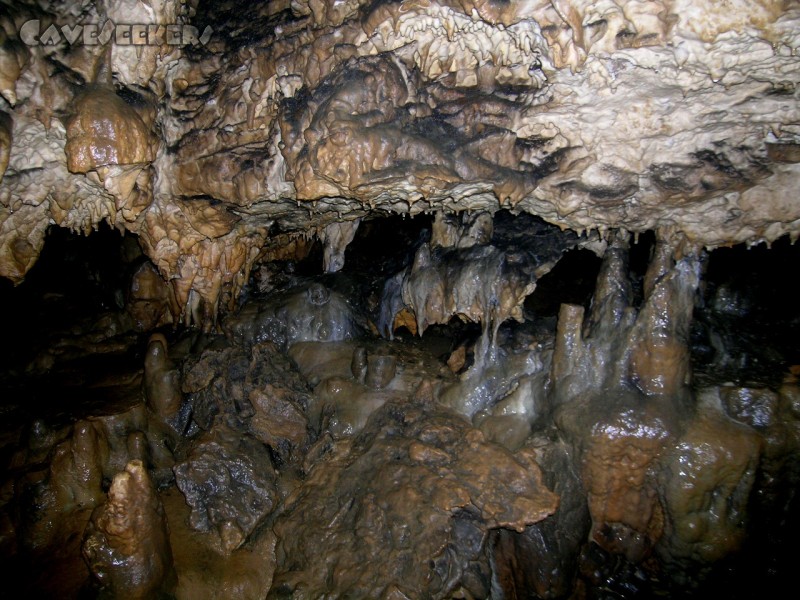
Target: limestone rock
{"type": "Point", "coordinates": [312, 313]}
{"type": "Point", "coordinates": [417, 492]}
{"type": "Point", "coordinates": [13, 60]}
{"type": "Point", "coordinates": [621, 438]}
{"type": "Point", "coordinates": [229, 482]}
{"type": "Point", "coordinates": [279, 421]}
{"type": "Point", "coordinates": [162, 385]}
{"type": "Point", "coordinates": [707, 479]}
{"type": "Point", "coordinates": [336, 237]}
{"type": "Point", "coordinates": [127, 542]}
{"type": "Point", "coordinates": [544, 557]}
{"type": "Point", "coordinates": [671, 115]}
{"type": "Point", "coordinates": [105, 131]}
{"type": "Point", "coordinates": [5, 142]}
{"type": "Point", "coordinates": [149, 300]}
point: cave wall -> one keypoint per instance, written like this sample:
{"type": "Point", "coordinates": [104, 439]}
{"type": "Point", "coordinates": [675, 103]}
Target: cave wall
{"type": "Point", "coordinates": [284, 117]}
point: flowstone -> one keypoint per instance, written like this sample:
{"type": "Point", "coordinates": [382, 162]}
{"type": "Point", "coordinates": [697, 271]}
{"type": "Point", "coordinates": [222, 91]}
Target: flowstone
{"type": "Point", "coordinates": [412, 499]}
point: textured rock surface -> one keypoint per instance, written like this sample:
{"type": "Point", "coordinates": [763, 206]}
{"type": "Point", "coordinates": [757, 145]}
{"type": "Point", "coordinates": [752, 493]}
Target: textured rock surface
{"type": "Point", "coordinates": [106, 131]}
{"type": "Point", "coordinates": [288, 131]}
{"type": "Point", "coordinates": [162, 385]}
{"type": "Point", "coordinates": [127, 541]}
{"type": "Point", "coordinates": [411, 499]}
{"type": "Point", "coordinates": [352, 381]}
{"type": "Point", "coordinates": [543, 558]}
{"type": "Point", "coordinates": [313, 314]}
{"type": "Point", "coordinates": [708, 478]}
{"type": "Point", "coordinates": [228, 480]}
{"type": "Point", "coordinates": [149, 300]}
{"type": "Point", "coordinates": [672, 115]}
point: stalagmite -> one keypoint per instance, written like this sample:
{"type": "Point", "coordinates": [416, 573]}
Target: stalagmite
{"type": "Point", "coordinates": [707, 479]}
{"type": "Point", "coordinates": [659, 360]}
{"type": "Point", "coordinates": [559, 362]}
{"type": "Point", "coordinates": [161, 380]}
{"type": "Point", "coordinates": [127, 542]}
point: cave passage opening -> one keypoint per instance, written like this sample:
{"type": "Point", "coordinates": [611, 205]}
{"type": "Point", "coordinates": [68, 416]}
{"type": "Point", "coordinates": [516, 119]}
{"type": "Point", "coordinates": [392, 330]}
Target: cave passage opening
{"type": "Point", "coordinates": [308, 344]}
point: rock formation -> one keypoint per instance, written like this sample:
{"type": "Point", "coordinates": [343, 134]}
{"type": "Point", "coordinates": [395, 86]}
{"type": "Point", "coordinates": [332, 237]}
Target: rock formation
{"type": "Point", "coordinates": [127, 542]}
{"type": "Point", "coordinates": [410, 298]}
{"type": "Point", "coordinates": [296, 116]}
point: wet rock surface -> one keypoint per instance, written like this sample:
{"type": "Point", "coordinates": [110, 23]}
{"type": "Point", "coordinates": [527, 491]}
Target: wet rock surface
{"type": "Point", "coordinates": [360, 496]}
{"type": "Point", "coordinates": [542, 560]}
{"type": "Point", "coordinates": [569, 453]}
{"type": "Point", "coordinates": [229, 483]}
{"type": "Point", "coordinates": [127, 542]}
{"type": "Point", "coordinates": [300, 118]}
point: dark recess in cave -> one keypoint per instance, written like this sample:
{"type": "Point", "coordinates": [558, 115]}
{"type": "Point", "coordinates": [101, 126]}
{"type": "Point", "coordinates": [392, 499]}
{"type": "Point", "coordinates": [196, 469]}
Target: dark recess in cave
{"type": "Point", "coordinates": [747, 321]}
{"type": "Point", "coordinates": [76, 278]}
{"type": "Point", "coordinates": [745, 328]}
{"type": "Point", "coordinates": [77, 287]}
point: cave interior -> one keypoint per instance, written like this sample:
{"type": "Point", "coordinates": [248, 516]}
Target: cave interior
{"type": "Point", "coordinates": [399, 299]}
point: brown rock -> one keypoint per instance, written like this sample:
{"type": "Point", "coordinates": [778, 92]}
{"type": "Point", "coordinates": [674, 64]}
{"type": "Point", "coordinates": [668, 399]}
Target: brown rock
{"type": "Point", "coordinates": [127, 542]}
{"type": "Point", "coordinates": [106, 131]}
{"type": "Point", "coordinates": [412, 499]}
{"type": "Point", "coordinates": [707, 478]}
{"type": "Point", "coordinates": [543, 558]}
{"type": "Point", "coordinates": [6, 128]}
{"type": "Point", "coordinates": [621, 450]}
{"type": "Point", "coordinates": [279, 420]}
{"type": "Point", "coordinates": [659, 360]}
{"type": "Point", "coordinates": [149, 299]}
{"type": "Point", "coordinates": [229, 482]}
{"type": "Point", "coordinates": [162, 384]}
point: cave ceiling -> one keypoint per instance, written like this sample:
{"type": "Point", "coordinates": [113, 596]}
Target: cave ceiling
{"type": "Point", "coordinates": [282, 117]}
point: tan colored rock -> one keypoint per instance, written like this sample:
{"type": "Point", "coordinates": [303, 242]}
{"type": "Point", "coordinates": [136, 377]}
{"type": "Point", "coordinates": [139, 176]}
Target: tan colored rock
{"type": "Point", "coordinates": [162, 385]}
{"type": "Point", "coordinates": [279, 420]}
{"type": "Point", "coordinates": [659, 359]}
{"type": "Point", "coordinates": [335, 238]}
{"type": "Point", "coordinates": [149, 299]}
{"type": "Point", "coordinates": [706, 491]}
{"type": "Point", "coordinates": [127, 541]}
{"type": "Point", "coordinates": [13, 60]}
{"type": "Point", "coordinates": [22, 234]}
{"type": "Point", "coordinates": [417, 493]}
{"type": "Point", "coordinates": [204, 272]}
{"type": "Point", "coordinates": [591, 114]}
{"type": "Point", "coordinates": [104, 131]}
{"type": "Point", "coordinates": [5, 141]}
{"type": "Point", "coordinates": [622, 437]}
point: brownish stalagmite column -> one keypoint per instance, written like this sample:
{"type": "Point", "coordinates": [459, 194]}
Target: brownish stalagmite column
{"type": "Point", "coordinates": [662, 471]}
{"type": "Point", "coordinates": [705, 482]}
{"type": "Point", "coordinates": [126, 544]}
{"type": "Point", "coordinates": [162, 386]}
{"type": "Point", "coordinates": [606, 385]}
{"type": "Point", "coordinates": [659, 348]}
{"type": "Point", "coordinates": [587, 355]}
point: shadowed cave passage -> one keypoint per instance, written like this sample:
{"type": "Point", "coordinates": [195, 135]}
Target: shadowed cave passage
{"type": "Point", "coordinates": [240, 460]}
{"type": "Point", "coordinates": [415, 299]}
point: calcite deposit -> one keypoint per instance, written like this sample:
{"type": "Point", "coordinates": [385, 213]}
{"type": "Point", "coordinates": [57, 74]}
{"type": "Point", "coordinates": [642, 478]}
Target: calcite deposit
{"type": "Point", "coordinates": [407, 456]}
{"type": "Point", "coordinates": [127, 542]}
{"type": "Point", "coordinates": [399, 299]}
{"type": "Point", "coordinates": [301, 115]}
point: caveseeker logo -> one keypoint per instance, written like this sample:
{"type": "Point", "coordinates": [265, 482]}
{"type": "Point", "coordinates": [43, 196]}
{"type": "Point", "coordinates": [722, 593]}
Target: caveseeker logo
{"type": "Point", "coordinates": [92, 34]}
